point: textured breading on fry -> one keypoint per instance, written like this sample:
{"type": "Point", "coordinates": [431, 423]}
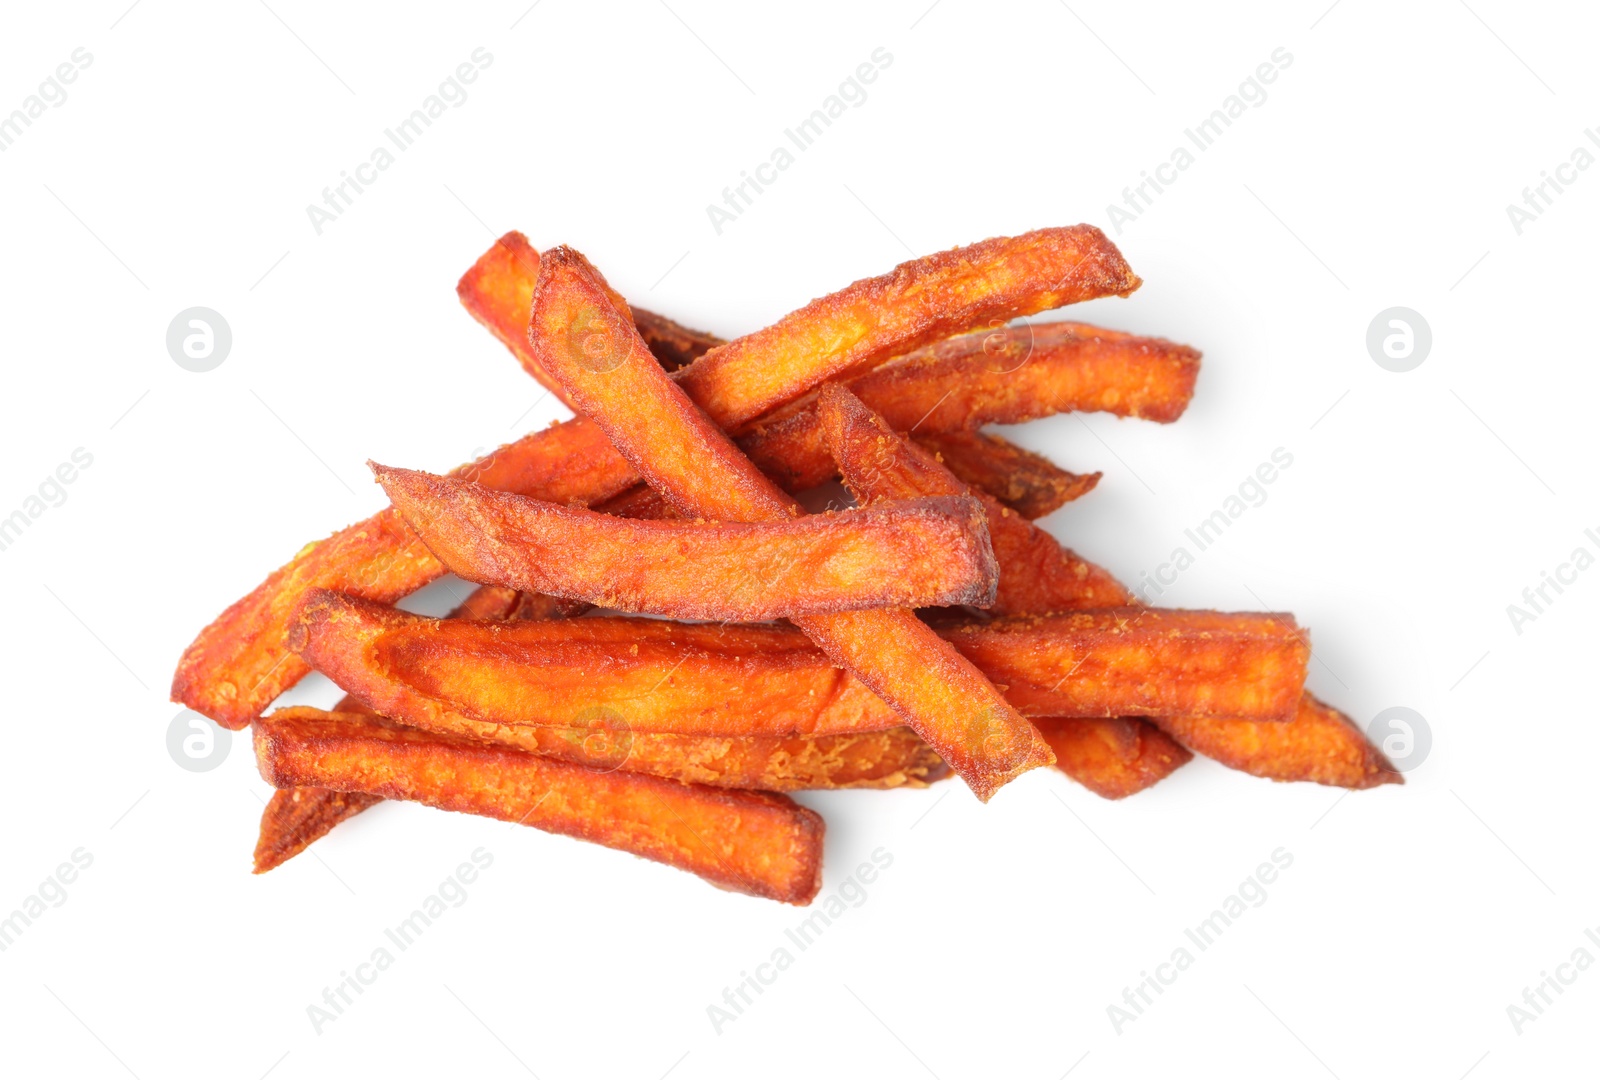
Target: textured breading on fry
{"type": "Point", "coordinates": [916, 303]}
{"type": "Point", "coordinates": [498, 292]}
{"type": "Point", "coordinates": [915, 553]}
{"type": "Point", "coordinates": [1027, 483]}
{"type": "Point", "coordinates": [1113, 758]}
{"type": "Point", "coordinates": [650, 675]}
{"type": "Point", "coordinates": [990, 377]}
{"type": "Point", "coordinates": [752, 842]}
{"type": "Point", "coordinates": [877, 465]}
{"type": "Point", "coordinates": [1319, 744]}
{"type": "Point", "coordinates": [582, 340]}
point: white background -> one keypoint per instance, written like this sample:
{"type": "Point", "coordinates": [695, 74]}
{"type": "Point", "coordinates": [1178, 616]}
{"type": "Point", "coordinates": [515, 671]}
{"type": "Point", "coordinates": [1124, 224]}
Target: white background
{"type": "Point", "coordinates": [1419, 506]}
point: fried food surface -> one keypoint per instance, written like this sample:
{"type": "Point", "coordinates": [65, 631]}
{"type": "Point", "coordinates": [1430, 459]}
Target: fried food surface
{"type": "Point", "coordinates": [296, 816]}
{"type": "Point", "coordinates": [917, 302]}
{"type": "Point", "coordinates": [921, 552]}
{"type": "Point", "coordinates": [757, 843]}
{"type": "Point", "coordinates": [583, 342]}
{"type": "Point", "coordinates": [1319, 744]}
{"type": "Point", "coordinates": [648, 675]}
{"type": "Point", "coordinates": [1024, 482]}
{"type": "Point", "coordinates": [876, 464]}
{"type": "Point", "coordinates": [1113, 758]}
{"type": "Point", "coordinates": [989, 377]}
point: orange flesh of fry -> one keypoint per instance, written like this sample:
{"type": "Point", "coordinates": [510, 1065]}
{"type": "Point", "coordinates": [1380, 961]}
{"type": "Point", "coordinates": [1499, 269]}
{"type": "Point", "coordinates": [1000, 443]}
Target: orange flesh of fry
{"type": "Point", "coordinates": [916, 303]}
{"type": "Point", "coordinates": [917, 553]}
{"type": "Point", "coordinates": [649, 675]}
{"type": "Point", "coordinates": [580, 338]}
{"type": "Point", "coordinates": [1001, 377]}
{"type": "Point", "coordinates": [1319, 744]}
{"type": "Point", "coordinates": [1113, 758]}
{"type": "Point", "coordinates": [752, 842]}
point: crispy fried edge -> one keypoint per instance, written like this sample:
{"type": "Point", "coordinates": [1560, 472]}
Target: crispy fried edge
{"type": "Point", "coordinates": [923, 552]}
{"type": "Point", "coordinates": [759, 843]}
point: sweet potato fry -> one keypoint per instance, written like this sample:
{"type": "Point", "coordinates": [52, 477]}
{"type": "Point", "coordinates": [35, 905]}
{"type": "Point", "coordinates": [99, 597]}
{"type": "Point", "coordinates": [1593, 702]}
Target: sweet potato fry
{"type": "Point", "coordinates": [1113, 758]}
{"type": "Point", "coordinates": [1024, 482]}
{"type": "Point", "coordinates": [916, 303]}
{"type": "Point", "coordinates": [649, 675]}
{"type": "Point", "coordinates": [582, 340]}
{"type": "Point", "coordinates": [1319, 744]}
{"type": "Point", "coordinates": [924, 552]}
{"type": "Point", "coordinates": [1039, 575]}
{"type": "Point", "coordinates": [238, 664]}
{"type": "Point", "coordinates": [498, 292]}
{"type": "Point", "coordinates": [296, 816]}
{"type": "Point", "coordinates": [1000, 377]}
{"type": "Point", "coordinates": [750, 842]}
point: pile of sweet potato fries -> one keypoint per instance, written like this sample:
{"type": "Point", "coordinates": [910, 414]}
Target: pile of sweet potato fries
{"type": "Point", "coordinates": [932, 627]}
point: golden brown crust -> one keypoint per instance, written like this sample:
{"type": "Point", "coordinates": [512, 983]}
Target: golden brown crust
{"type": "Point", "coordinates": [1319, 744]}
{"type": "Point", "coordinates": [583, 342]}
{"type": "Point", "coordinates": [758, 843]}
{"type": "Point", "coordinates": [921, 552]}
{"type": "Point", "coordinates": [917, 302]}
{"type": "Point", "coordinates": [989, 377]}
{"type": "Point", "coordinates": [1113, 758]}
{"type": "Point", "coordinates": [708, 679]}
{"type": "Point", "coordinates": [1028, 484]}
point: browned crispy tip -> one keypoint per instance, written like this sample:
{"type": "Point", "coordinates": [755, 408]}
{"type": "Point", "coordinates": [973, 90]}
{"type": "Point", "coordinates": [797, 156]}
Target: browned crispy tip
{"type": "Point", "coordinates": [758, 843]}
{"type": "Point", "coordinates": [1113, 757]}
{"type": "Point", "coordinates": [296, 816]}
{"type": "Point", "coordinates": [1027, 483]}
{"type": "Point", "coordinates": [1320, 744]}
{"type": "Point", "coordinates": [918, 552]}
